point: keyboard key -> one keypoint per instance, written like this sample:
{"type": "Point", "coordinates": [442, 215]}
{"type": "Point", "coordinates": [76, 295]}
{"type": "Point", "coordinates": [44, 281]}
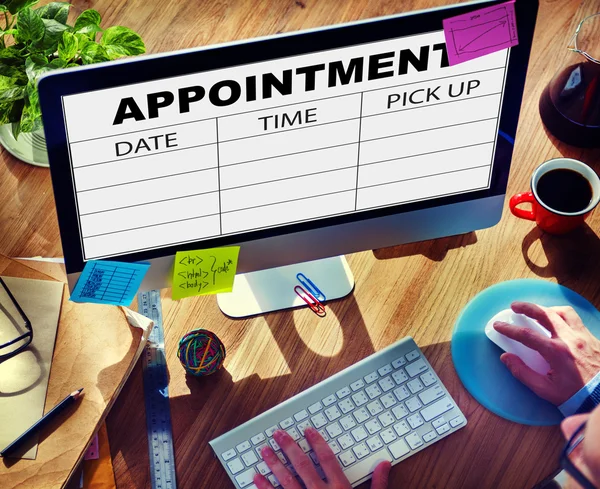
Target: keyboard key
{"type": "Point", "coordinates": [374, 443]}
{"type": "Point", "coordinates": [386, 369]}
{"type": "Point", "coordinates": [359, 384]}
{"type": "Point", "coordinates": [360, 398]}
{"type": "Point", "coordinates": [271, 430]}
{"type": "Point", "coordinates": [301, 415]}
{"type": "Point", "coordinates": [415, 421]}
{"type": "Point", "coordinates": [263, 468]}
{"type": "Point", "coordinates": [303, 444]}
{"type": "Point", "coordinates": [329, 400]}
{"type": "Point", "coordinates": [401, 393]}
{"type": "Point", "coordinates": [415, 386]}
{"type": "Point", "coordinates": [361, 450]}
{"type": "Point", "coordinates": [372, 426]}
{"type": "Point", "coordinates": [334, 430]}
{"type": "Point", "coordinates": [293, 432]}
{"type": "Point", "coordinates": [313, 457]}
{"type": "Point", "coordinates": [259, 449]}
{"type": "Point", "coordinates": [413, 404]}
{"type": "Point", "coordinates": [324, 435]}
{"type": "Point", "coordinates": [372, 377]}
{"type": "Point", "coordinates": [437, 408]}
{"type": "Point", "coordinates": [388, 400]}
{"type": "Point", "coordinates": [235, 466]}
{"type": "Point", "coordinates": [228, 455]}
{"type": "Point", "coordinates": [401, 428]}
{"type": "Point", "coordinates": [345, 441]}
{"type": "Point", "coordinates": [347, 458]}
{"type": "Point", "coordinates": [414, 441]}
{"type": "Point", "coordinates": [412, 355]}
{"type": "Point", "coordinates": [416, 368]}
{"type": "Point", "coordinates": [400, 376]}
{"type": "Point", "coordinates": [334, 447]}
{"type": "Point", "coordinates": [273, 480]}
{"type": "Point", "coordinates": [361, 415]}
{"type": "Point", "coordinates": [346, 406]}
{"type": "Point", "coordinates": [375, 408]}
{"type": "Point", "coordinates": [373, 391]}
{"type": "Point", "coordinates": [431, 394]}
{"type": "Point", "coordinates": [286, 423]}
{"type": "Point", "coordinates": [399, 362]}
{"type": "Point", "coordinates": [359, 434]}
{"type": "Point", "coordinates": [454, 422]}
{"type": "Point", "coordinates": [274, 445]}
{"type": "Point", "coordinates": [386, 384]}
{"type": "Point", "coordinates": [428, 378]}
{"type": "Point", "coordinates": [438, 422]}
{"type": "Point", "coordinates": [333, 413]}
{"type": "Point", "coordinates": [256, 439]}
{"type": "Point", "coordinates": [343, 392]}
{"type": "Point", "coordinates": [388, 436]}
{"type": "Point", "coordinates": [245, 478]}
{"type": "Point", "coordinates": [245, 445]}
{"type": "Point", "coordinates": [249, 458]}
{"type": "Point", "coordinates": [386, 419]}
{"type": "Point", "coordinates": [443, 429]}
{"type": "Point", "coordinates": [281, 457]}
{"type": "Point", "coordinates": [399, 449]}
{"type": "Point", "coordinates": [427, 437]}
{"type": "Point", "coordinates": [400, 411]}
{"type": "Point", "coordinates": [366, 466]}
{"type": "Point", "coordinates": [347, 422]}
{"type": "Point", "coordinates": [314, 408]}
{"type": "Point", "coordinates": [302, 426]}
{"type": "Point", "coordinates": [319, 420]}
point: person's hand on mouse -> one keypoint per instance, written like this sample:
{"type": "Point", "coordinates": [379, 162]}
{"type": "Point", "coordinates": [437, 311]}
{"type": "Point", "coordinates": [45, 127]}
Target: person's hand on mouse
{"type": "Point", "coordinates": [572, 351]}
{"type": "Point", "coordinates": [306, 469]}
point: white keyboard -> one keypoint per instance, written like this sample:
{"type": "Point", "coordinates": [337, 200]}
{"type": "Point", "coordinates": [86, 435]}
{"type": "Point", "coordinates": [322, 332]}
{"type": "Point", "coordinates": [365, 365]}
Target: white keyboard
{"type": "Point", "coordinates": [388, 406]}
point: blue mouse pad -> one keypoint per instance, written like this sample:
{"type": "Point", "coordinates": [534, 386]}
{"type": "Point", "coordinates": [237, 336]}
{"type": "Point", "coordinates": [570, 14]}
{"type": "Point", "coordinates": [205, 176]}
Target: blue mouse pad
{"type": "Point", "coordinates": [477, 359]}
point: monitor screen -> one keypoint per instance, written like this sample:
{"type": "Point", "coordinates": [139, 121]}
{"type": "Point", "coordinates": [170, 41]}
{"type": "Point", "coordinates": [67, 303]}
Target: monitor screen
{"type": "Point", "coordinates": [242, 142]}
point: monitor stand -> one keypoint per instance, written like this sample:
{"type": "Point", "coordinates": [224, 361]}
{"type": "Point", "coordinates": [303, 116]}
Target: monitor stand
{"type": "Point", "coordinates": [273, 289]}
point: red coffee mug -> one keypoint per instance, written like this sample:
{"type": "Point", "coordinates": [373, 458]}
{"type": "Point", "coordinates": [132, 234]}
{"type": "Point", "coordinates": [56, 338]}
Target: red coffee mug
{"type": "Point", "coordinates": [551, 220]}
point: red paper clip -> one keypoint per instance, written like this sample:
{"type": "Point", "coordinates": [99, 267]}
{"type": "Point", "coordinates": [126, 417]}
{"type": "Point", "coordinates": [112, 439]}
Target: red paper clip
{"type": "Point", "coordinates": [311, 300]}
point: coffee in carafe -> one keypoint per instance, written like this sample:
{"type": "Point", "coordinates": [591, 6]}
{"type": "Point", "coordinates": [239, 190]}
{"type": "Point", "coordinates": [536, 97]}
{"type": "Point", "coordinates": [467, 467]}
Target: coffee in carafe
{"type": "Point", "coordinates": [570, 104]}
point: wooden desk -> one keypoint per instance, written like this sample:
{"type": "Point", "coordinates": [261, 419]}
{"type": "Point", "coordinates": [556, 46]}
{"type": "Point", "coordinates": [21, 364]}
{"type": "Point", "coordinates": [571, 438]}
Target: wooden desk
{"type": "Point", "coordinates": [417, 289]}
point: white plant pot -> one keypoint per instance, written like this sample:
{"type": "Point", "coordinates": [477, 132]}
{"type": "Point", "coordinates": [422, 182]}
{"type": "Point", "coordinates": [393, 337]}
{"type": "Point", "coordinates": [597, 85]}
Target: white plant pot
{"type": "Point", "coordinates": [29, 147]}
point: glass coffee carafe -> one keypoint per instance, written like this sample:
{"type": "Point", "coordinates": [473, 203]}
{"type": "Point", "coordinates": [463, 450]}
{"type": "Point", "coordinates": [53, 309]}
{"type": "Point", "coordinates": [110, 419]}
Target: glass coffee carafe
{"type": "Point", "coordinates": [570, 104]}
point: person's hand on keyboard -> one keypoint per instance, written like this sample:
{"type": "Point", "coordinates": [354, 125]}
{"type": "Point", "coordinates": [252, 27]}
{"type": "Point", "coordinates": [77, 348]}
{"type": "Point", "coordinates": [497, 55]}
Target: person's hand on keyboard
{"type": "Point", "coordinates": [572, 352]}
{"type": "Point", "coordinates": [305, 468]}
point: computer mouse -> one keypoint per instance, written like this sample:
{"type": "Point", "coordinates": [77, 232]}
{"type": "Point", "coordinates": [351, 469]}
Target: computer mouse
{"type": "Point", "coordinates": [530, 357]}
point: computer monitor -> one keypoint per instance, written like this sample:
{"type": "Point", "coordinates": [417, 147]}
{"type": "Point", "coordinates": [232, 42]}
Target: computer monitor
{"type": "Point", "coordinates": [296, 147]}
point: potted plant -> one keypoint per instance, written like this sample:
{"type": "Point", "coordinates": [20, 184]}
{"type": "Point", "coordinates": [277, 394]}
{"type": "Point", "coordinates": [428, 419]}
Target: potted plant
{"type": "Point", "coordinates": [36, 41]}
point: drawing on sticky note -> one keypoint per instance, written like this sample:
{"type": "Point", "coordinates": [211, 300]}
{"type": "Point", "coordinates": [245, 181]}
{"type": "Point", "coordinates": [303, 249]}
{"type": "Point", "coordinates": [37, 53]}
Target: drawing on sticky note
{"type": "Point", "coordinates": [481, 32]}
{"type": "Point", "coordinates": [109, 282]}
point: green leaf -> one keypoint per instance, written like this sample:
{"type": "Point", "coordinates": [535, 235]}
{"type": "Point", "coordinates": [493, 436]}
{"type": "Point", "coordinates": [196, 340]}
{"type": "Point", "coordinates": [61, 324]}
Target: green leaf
{"type": "Point", "coordinates": [12, 94]}
{"type": "Point", "coordinates": [58, 11]}
{"type": "Point", "coordinates": [52, 36]}
{"type": "Point", "coordinates": [93, 53]}
{"type": "Point", "coordinates": [15, 6]}
{"type": "Point", "coordinates": [30, 26]}
{"type": "Point", "coordinates": [89, 31]}
{"type": "Point", "coordinates": [11, 56]}
{"type": "Point", "coordinates": [121, 41]}
{"type": "Point", "coordinates": [67, 46]}
{"type": "Point", "coordinates": [36, 66]}
{"type": "Point", "coordinates": [87, 17]}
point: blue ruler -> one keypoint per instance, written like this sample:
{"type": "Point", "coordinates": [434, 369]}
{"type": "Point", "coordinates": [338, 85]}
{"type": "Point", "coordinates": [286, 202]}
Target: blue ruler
{"type": "Point", "coordinates": [156, 396]}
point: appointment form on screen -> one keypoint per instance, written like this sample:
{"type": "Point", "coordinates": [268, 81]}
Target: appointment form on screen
{"type": "Point", "coordinates": [279, 142]}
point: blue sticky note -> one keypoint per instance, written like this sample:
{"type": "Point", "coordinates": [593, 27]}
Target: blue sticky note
{"type": "Point", "coordinates": [109, 282]}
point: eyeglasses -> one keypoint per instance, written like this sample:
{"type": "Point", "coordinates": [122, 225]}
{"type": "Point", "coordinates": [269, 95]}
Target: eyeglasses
{"type": "Point", "coordinates": [18, 322]}
{"type": "Point", "coordinates": [567, 463]}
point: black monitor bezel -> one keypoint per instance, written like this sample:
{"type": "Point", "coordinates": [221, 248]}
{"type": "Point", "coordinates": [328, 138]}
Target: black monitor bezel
{"type": "Point", "coordinates": [68, 82]}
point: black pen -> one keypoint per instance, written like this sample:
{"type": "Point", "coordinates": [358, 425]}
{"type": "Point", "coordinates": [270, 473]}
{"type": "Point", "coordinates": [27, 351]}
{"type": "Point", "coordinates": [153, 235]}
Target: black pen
{"type": "Point", "coordinates": [61, 406]}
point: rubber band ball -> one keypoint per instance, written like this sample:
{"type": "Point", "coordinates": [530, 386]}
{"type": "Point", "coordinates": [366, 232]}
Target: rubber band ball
{"type": "Point", "coordinates": [201, 352]}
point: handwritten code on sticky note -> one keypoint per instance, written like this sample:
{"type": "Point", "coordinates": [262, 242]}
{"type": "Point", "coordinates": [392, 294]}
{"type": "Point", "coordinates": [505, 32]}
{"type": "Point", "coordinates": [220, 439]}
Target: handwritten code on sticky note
{"type": "Point", "coordinates": [109, 282]}
{"type": "Point", "coordinates": [204, 272]}
{"type": "Point", "coordinates": [481, 32]}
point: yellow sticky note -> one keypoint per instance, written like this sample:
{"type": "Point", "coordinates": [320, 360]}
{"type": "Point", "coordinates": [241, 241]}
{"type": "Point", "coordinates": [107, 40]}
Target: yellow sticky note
{"type": "Point", "coordinates": [203, 272]}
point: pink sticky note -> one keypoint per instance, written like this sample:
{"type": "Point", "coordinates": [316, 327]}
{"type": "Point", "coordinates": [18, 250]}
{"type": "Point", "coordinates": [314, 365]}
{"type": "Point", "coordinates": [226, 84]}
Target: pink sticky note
{"type": "Point", "coordinates": [93, 452]}
{"type": "Point", "coordinates": [480, 32]}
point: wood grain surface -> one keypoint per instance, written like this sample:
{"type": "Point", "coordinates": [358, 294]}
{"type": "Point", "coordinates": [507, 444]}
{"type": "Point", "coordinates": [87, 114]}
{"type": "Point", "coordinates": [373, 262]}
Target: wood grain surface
{"type": "Point", "coordinates": [416, 289]}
